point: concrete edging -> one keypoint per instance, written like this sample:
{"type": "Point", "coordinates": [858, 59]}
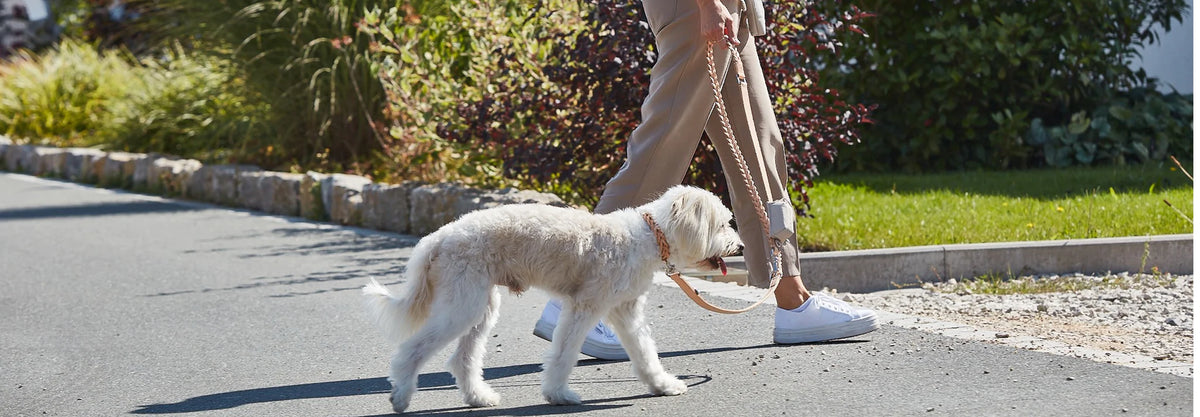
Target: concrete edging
{"type": "Point", "coordinates": [411, 208]}
{"type": "Point", "coordinates": [884, 269]}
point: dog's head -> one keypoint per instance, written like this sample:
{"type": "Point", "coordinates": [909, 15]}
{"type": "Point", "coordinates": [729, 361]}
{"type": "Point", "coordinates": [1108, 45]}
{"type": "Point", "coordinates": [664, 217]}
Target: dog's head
{"type": "Point", "coordinates": [697, 227]}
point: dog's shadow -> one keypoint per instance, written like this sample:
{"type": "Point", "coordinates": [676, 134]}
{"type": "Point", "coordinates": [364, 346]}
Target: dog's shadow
{"type": "Point", "coordinates": [331, 389]}
{"type": "Point", "coordinates": [425, 382]}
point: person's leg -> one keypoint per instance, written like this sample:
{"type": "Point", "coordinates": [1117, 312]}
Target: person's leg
{"type": "Point", "coordinates": [791, 292]}
{"type": "Point", "coordinates": [660, 149]}
{"type": "Point", "coordinates": [801, 317]}
{"type": "Point", "coordinates": [674, 113]}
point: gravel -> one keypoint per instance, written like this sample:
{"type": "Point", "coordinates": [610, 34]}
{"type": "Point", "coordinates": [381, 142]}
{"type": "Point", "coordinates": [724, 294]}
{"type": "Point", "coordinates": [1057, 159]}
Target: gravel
{"type": "Point", "coordinates": [1149, 315]}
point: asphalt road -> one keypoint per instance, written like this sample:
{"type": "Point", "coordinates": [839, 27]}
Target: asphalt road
{"type": "Point", "coordinates": [114, 303]}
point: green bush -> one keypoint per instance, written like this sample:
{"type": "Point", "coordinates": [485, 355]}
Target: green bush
{"type": "Point", "coordinates": [1142, 125]}
{"type": "Point", "coordinates": [190, 105]}
{"type": "Point", "coordinates": [959, 83]}
{"type": "Point", "coordinates": [558, 111]}
{"type": "Point", "coordinates": [306, 57]}
{"type": "Point", "coordinates": [63, 96]}
{"type": "Point", "coordinates": [437, 55]}
{"type": "Point", "coordinates": [178, 103]}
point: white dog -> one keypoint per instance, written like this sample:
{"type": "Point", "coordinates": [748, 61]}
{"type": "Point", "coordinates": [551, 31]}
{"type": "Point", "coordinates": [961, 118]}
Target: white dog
{"type": "Point", "coordinates": [601, 266]}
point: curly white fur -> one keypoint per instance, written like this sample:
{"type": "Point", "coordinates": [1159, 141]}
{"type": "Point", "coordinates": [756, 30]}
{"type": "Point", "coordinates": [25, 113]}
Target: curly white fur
{"type": "Point", "coordinates": [601, 266]}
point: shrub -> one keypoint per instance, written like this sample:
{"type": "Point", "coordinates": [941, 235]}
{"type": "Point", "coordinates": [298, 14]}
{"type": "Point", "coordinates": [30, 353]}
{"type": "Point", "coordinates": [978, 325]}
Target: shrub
{"type": "Point", "coordinates": [439, 54]}
{"type": "Point", "coordinates": [64, 96]}
{"type": "Point", "coordinates": [565, 130]}
{"type": "Point", "coordinates": [1141, 125]}
{"type": "Point", "coordinates": [305, 56]}
{"type": "Point", "coordinates": [959, 83]}
{"type": "Point", "coordinates": [190, 105]}
{"type": "Point", "coordinates": [178, 104]}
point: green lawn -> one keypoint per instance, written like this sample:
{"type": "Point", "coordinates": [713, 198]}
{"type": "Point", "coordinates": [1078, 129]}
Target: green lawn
{"type": "Point", "coordinates": [888, 210]}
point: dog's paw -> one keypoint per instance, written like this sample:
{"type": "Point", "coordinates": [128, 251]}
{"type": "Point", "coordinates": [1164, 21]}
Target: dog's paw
{"type": "Point", "coordinates": [484, 398]}
{"type": "Point", "coordinates": [398, 406]}
{"type": "Point", "coordinates": [667, 385]}
{"type": "Point", "coordinates": [562, 397]}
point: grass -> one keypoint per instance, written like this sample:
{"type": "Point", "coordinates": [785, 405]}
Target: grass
{"type": "Point", "coordinates": [879, 211]}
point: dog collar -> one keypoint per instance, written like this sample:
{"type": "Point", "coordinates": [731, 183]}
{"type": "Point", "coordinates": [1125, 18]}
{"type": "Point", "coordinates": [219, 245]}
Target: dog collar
{"type": "Point", "coordinates": [664, 250]}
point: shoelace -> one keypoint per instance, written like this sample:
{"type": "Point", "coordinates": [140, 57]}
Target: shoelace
{"type": "Point", "coordinates": [604, 331]}
{"type": "Point", "coordinates": [831, 303]}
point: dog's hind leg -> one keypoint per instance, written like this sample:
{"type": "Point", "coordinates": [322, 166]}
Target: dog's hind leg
{"type": "Point", "coordinates": [467, 363]}
{"type": "Point", "coordinates": [573, 327]}
{"type": "Point", "coordinates": [450, 316]}
{"type": "Point", "coordinates": [629, 321]}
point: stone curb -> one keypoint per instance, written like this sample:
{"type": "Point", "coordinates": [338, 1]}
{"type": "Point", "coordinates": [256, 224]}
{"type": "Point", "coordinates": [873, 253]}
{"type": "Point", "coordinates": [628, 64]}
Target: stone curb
{"type": "Point", "coordinates": [887, 269]}
{"type": "Point", "coordinates": [410, 208]}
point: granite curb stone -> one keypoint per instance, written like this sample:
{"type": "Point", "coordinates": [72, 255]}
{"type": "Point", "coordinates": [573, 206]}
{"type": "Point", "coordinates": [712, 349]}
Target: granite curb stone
{"type": "Point", "coordinates": [340, 198]}
{"type": "Point", "coordinates": [115, 169]}
{"type": "Point", "coordinates": [171, 176]}
{"type": "Point", "coordinates": [49, 161]}
{"type": "Point", "coordinates": [387, 206]}
{"type": "Point", "coordinates": [78, 165]}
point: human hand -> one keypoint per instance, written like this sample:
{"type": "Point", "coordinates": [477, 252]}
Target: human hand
{"type": "Point", "coordinates": [716, 23]}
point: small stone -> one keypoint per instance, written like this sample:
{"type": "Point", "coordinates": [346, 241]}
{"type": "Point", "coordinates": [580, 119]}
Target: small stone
{"type": "Point", "coordinates": [1173, 321]}
{"type": "Point", "coordinates": [1070, 378]}
{"type": "Point", "coordinates": [1002, 335]}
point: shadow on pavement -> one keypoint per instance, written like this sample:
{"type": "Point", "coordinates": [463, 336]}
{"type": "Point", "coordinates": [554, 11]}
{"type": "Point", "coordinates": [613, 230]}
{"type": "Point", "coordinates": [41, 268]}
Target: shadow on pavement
{"type": "Point", "coordinates": [425, 382]}
{"type": "Point", "coordinates": [98, 209]}
{"type": "Point", "coordinates": [232, 399]}
{"type": "Point", "coordinates": [346, 388]}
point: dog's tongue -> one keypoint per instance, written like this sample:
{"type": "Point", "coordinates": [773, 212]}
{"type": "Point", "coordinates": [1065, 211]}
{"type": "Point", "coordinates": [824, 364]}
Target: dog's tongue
{"type": "Point", "coordinates": [721, 263]}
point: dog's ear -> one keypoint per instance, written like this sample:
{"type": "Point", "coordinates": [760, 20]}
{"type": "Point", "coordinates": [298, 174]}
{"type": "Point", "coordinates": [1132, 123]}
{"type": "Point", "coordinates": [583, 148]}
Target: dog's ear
{"type": "Point", "coordinates": [690, 217]}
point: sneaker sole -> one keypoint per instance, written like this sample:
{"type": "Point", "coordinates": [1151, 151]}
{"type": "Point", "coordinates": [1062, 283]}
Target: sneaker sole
{"type": "Point", "coordinates": [545, 330]}
{"type": "Point", "coordinates": [829, 332]}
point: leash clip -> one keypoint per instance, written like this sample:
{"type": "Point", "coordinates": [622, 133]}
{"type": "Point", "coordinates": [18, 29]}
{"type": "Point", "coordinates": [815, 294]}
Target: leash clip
{"type": "Point", "coordinates": [671, 270]}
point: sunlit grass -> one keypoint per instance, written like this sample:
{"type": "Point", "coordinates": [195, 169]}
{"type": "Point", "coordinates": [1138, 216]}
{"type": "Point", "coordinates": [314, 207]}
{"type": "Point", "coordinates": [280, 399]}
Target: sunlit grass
{"type": "Point", "coordinates": [866, 212]}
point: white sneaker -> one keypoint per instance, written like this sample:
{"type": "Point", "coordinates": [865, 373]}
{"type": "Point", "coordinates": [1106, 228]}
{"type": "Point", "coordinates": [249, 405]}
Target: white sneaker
{"type": "Point", "coordinates": [601, 342]}
{"type": "Point", "coordinates": [822, 317]}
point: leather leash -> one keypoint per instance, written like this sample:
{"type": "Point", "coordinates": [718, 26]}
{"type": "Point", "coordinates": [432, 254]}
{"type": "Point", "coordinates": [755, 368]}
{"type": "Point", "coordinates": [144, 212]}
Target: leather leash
{"type": "Point", "coordinates": [776, 265]}
{"type": "Point", "coordinates": [665, 252]}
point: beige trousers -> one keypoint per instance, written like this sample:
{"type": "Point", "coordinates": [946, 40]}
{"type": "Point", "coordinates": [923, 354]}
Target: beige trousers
{"type": "Point", "coordinates": [680, 106]}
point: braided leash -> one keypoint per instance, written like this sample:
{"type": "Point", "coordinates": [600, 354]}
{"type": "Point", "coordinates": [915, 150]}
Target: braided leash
{"type": "Point", "coordinates": [776, 244]}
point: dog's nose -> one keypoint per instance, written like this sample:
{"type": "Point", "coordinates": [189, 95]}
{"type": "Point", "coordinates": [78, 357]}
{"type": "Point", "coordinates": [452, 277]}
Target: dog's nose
{"type": "Point", "coordinates": [740, 247]}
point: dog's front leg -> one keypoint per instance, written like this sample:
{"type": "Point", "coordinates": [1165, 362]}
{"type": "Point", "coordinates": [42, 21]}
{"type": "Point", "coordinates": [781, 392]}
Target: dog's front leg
{"type": "Point", "coordinates": [629, 321]}
{"type": "Point", "coordinates": [573, 327]}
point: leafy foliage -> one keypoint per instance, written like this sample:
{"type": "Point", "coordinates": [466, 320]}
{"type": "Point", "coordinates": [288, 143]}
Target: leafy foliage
{"type": "Point", "coordinates": [1142, 125]}
{"type": "Point", "coordinates": [438, 54]}
{"type": "Point", "coordinates": [959, 83]}
{"type": "Point", "coordinates": [179, 104]}
{"type": "Point", "coordinates": [189, 105]}
{"type": "Point", "coordinates": [62, 96]}
{"type": "Point", "coordinates": [305, 56]}
{"type": "Point", "coordinates": [564, 128]}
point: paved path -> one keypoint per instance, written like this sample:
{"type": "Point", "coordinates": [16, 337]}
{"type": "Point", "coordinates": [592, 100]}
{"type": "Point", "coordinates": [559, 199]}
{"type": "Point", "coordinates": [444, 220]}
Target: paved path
{"type": "Point", "coordinates": [113, 303]}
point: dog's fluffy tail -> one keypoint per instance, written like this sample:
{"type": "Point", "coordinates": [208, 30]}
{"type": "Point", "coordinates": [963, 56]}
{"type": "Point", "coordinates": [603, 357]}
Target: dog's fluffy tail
{"type": "Point", "coordinates": [399, 317]}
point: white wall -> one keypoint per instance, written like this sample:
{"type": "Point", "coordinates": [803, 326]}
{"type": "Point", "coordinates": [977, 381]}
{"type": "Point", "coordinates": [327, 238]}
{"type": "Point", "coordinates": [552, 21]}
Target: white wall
{"type": "Point", "coordinates": [1171, 60]}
